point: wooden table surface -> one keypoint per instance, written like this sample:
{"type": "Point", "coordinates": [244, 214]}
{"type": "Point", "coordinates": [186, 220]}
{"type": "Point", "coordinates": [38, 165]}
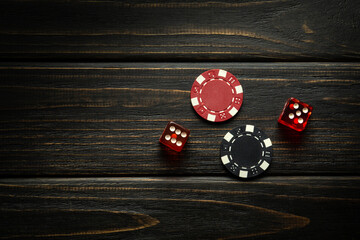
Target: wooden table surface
{"type": "Point", "coordinates": [87, 88]}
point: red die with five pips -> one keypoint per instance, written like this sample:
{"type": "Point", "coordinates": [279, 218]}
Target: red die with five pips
{"type": "Point", "coordinates": [295, 114]}
{"type": "Point", "coordinates": [175, 136]}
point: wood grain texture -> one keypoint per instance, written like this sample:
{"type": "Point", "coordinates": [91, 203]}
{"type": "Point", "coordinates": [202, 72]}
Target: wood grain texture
{"type": "Point", "coordinates": [286, 30]}
{"type": "Point", "coordinates": [180, 208]}
{"type": "Point", "coordinates": [105, 119]}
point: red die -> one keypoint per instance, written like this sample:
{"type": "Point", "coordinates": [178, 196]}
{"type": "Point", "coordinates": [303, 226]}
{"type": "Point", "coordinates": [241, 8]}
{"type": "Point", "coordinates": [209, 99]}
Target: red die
{"type": "Point", "coordinates": [175, 136]}
{"type": "Point", "coordinates": [295, 114]}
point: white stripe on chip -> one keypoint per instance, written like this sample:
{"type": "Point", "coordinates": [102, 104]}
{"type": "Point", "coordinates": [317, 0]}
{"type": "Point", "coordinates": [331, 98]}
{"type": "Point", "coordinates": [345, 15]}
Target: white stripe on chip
{"type": "Point", "coordinates": [211, 117]}
{"type": "Point", "coordinates": [233, 111]}
{"type": "Point", "coordinates": [200, 79]}
{"type": "Point", "coordinates": [228, 136]}
{"type": "Point", "coordinates": [264, 165]}
{"type": "Point", "coordinates": [222, 73]}
{"type": "Point", "coordinates": [239, 89]}
{"type": "Point", "coordinates": [249, 128]}
{"type": "Point", "coordinates": [267, 142]}
{"type": "Point", "coordinates": [225, 159]}
{"type": "Point", "coordinates": [243, 174]}
{"type": "Point", "coordinates": [195, 101]}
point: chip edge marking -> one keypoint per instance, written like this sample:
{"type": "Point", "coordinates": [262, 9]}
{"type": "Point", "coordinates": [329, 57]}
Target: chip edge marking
{"type": "Point", "coordinates": [249, 128]}
{"type": "Point", "coordinates": [267, 142]}
{"type": "Point", "coordinates": [239, 89]}
{"type": "Point", "coordinates": [211, 117]}
{"type": "Point", "coordinates": [195, 101]}
{"type": "Point", "coordinates": [200, 79]}
{"type": "Point", "coordinates": [228, 136]}
{"type": "Point", "coordinates": [243, 174]}
{"type": "Point", "coordinates": [222, 73]}
{"type": "Point", "coordinates": [264, 165]}
{"type": "Point", "coordinates": [225, 159]}
{"type": "Point", "coordinates": [233, 111]}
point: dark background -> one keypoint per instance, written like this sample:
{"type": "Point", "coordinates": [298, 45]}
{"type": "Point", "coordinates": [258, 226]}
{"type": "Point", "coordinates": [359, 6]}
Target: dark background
{"type": "Point", "coordinates": [87, 87]}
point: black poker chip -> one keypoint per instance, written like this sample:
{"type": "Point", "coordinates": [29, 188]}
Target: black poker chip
{"type": "Point", "coordinates": [246, 151]}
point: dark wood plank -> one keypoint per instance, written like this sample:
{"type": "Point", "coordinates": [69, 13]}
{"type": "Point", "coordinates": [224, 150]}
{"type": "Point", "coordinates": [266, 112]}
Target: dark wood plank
{"type": "Point", "coordinates": [180, 208]}
{"type": "Point", "coordinates": [172, 30]}
{"type": "Point", "coordinates": [105, 119]}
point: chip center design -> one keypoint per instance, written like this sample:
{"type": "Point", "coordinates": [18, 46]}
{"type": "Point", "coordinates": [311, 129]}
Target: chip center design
{"type": "Point", "coordinates": [217, 94]}
{"type": "Point", "coordinates": [247, 150]}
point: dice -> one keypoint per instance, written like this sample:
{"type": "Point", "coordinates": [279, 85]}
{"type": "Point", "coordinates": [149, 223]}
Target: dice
{"type": "Point", "coordinates": [174, 136]}
{"type": "Point", "coordinates": [295, 114]}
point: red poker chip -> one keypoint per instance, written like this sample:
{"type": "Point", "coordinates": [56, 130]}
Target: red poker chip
{"type": "Point", "coordinates": [216, 95]}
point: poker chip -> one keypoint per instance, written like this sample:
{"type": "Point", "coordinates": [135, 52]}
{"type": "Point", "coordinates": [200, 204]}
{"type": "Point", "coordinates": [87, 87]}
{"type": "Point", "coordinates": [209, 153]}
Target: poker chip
{"type": "Point", "coordinates": [246, 151]}
{"type": "Point", "coordinates": [216, 95]}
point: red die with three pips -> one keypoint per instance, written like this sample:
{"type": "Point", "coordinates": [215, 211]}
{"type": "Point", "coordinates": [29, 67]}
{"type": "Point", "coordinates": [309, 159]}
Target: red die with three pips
{"type": "Point", "coordinates": [175, 136]}
{"type": "Point", "coordinates": [295, 114]}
